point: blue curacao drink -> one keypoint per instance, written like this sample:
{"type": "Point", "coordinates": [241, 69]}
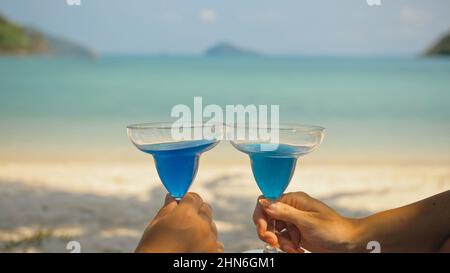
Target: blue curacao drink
{"type": "Point", "coordinates": [177, 163]}
{"type": "Point", "coordinates": [273, 170]}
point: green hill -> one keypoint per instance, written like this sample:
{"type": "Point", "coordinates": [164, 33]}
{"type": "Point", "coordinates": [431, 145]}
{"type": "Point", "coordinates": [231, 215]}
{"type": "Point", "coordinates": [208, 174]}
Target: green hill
{"type": "Point", "coordinates": [442, 47]}
{"type": "Point", "coordinates": [13, 38]}
{"type": "Point", "coordinates": [19, 40]}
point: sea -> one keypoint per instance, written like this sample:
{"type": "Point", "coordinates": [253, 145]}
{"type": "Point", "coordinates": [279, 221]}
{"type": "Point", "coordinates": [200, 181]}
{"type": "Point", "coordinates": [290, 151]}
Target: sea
{"type": "Point", "coordinates": [377, 109]}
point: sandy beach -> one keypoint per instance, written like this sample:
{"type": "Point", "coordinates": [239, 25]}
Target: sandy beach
{"type": "Point", "coordinates": [105, 206]}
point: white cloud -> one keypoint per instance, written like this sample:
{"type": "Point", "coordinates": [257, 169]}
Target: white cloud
{"type": "Point", "coordinates": [208, 15]}
{"type": "Point", "coordinates": [415, 17]}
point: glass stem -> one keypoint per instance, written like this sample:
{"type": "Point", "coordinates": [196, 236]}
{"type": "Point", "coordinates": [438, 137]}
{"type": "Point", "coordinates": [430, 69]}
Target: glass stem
{"type": "Point", "coordinates": [268, 248]}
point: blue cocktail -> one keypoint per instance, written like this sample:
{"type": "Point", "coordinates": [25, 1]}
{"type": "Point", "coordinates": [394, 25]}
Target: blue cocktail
{"type": "Point", "coordinates": [272, 170]}
{"type": "Point", "coordinates": [176, 159]}
{"type": "Point", "coordinates": [177, 162]}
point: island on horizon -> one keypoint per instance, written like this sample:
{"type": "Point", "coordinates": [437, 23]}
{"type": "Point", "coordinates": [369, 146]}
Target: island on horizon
{"type": "Point", "coordinates": [225, 49]}
{"type": "Point", "coordinates": [24, 41]}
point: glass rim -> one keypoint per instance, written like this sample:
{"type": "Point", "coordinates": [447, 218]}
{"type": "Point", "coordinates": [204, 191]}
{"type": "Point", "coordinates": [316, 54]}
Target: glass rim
{"type": "Point", "coordinates": [166, 125]}
{"type": "Point", "coordinates": [282, 126]}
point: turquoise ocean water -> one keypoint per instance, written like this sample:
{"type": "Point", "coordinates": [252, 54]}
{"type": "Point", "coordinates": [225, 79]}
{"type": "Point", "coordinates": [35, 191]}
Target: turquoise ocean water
{"type": "Point", "coordinates": [373, 108]}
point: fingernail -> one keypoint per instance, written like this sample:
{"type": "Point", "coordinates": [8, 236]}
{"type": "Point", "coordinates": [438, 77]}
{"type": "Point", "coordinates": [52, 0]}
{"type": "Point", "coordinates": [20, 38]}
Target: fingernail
{"type": "Point", "coordinates": [264, 202]}
{"type": "Point", "coordinates": [268, 204]}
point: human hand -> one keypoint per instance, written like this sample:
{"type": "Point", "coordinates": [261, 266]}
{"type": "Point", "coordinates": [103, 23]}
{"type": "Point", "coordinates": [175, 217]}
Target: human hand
{"type": "Point", "coordinates": [183, 227]}
{"type": "Point", "coordinates": [303, 221]}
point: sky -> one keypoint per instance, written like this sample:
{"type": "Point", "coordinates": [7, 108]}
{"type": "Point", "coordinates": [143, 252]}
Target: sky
{"type": "Point", "coordinates": [291, 27]}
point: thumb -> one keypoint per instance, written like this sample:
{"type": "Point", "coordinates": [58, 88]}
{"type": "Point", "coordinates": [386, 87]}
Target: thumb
{"type": "Point", "coordinates": [169, 205]}
{"type": "Point", "coordinates": [281, 211]}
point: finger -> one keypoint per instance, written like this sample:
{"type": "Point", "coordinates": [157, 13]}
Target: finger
{"type": "Point", "coordinates": [285, 243]}
{"type": "Point", "coordinates": [168, 199]}
{"type": "Point", "coordinates": [270, 235]}
{"type": "Point", "coordinates": [191, 201]}
{"type": "Point", "coordinates": [259, 216]}
{"type": "Point", "coordinates": [213, 246]}
{"type": "Point", "coordinates": [270, 238]}
{"type": "Point", "coordinates": [206, 211]}
{"type": "Point", "coordinates": [280, 226]}
{"type": "Point", "coordinates": [214, 229]}
{"type": "Point", "coordinates": [284, 212]}
{"type": "Point", "coordinates": [294, 235]}
{"type": "Point", "coordinates": [220, 247]}
{"type": "Point", "coordinates": [169, 205]}
{"type": "Point", "coordinates": [260, 220]}
{"type": "Point", "coordinates": [301, 201]}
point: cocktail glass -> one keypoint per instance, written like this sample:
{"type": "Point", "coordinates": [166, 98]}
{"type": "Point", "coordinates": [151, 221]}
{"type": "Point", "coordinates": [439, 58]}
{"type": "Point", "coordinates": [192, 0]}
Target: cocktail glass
{"type": "Point", "coordinates": [176, 159]}
{"type": "Point", "coordinates": [273, 164]}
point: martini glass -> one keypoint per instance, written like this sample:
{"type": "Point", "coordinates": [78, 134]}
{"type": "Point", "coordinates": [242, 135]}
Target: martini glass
{"type": "Point", "coordinates": [176, 159]}
{"type": "Point", "coordinates": [273, 164]}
